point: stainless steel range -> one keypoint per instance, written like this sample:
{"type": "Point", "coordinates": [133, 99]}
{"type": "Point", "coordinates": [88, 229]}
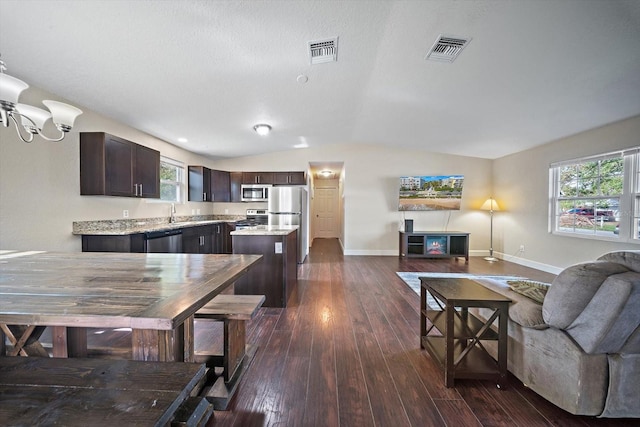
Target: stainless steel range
{"type": "Point", "coordinates": [255, 217]}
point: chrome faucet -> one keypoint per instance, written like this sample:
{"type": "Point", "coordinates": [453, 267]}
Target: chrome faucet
{"type": "Point", "coordinates": [172, 213]}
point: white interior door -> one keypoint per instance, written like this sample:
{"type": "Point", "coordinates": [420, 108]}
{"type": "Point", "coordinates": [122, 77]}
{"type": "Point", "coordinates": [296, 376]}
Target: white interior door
{"type": "Point", "coordinates": [326, 213]}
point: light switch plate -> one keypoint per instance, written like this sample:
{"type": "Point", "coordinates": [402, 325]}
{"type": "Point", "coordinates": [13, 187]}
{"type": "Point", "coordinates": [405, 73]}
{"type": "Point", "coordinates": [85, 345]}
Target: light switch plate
{"type": "Point", "coordinates": [278, 247]}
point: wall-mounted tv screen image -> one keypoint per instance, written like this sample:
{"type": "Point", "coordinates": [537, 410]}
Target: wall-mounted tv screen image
{"type": "Point", "coordinates": [430, 192]}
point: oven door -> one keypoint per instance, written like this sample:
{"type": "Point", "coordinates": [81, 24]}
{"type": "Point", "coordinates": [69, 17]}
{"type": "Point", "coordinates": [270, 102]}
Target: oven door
{"type": "Point", "coordinates": [254, 193]}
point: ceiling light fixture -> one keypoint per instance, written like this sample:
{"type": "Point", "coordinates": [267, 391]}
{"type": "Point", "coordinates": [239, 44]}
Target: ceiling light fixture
{"type": "Point", "coordinates": [32, 118]}
{"type": "Point", "coordinates": [262, 129]}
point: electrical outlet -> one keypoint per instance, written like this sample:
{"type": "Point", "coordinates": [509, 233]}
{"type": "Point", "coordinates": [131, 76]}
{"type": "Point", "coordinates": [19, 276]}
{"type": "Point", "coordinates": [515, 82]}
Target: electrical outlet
{"type": "Point", "coordinates": [193, 211]}
{"type": "Point", "coordinates": [197, 211]}
{"type": "Point", "coordinates": [226, 211]}
{"type": "Point", "coordinates": [521, 248]}
{"type": "Point", "coordinates": [125, 214]}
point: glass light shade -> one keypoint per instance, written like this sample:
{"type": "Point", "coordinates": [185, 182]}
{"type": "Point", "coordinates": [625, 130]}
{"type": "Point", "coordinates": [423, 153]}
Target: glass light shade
{"type": "Point", "coordinates": [10, 88]}
{"type": "Point", "coordinates": [490, 205]}
{"type": "Point", "coordinates": [63, 114]}
{"type": "Point", "coordinates": [38, 115]}
{"type": "Point", "coordinates": [262, 129]}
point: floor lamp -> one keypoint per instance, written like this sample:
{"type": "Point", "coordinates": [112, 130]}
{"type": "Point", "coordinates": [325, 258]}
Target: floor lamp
{"type": "Point", "coordinates": [490, 205]}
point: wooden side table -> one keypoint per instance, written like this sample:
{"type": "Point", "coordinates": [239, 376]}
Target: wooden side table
{"type": "Point", "coordinates": [454, 337]}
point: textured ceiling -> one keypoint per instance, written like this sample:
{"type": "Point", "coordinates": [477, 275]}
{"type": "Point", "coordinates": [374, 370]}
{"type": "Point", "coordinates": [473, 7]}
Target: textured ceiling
{"type": "Point", "coordinates": [208, 71]}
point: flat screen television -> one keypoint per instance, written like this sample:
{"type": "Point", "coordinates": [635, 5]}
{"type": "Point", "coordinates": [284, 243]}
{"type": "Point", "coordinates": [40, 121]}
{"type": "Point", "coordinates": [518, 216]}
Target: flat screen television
{"type": "Point", "coordinates": [430, 192]}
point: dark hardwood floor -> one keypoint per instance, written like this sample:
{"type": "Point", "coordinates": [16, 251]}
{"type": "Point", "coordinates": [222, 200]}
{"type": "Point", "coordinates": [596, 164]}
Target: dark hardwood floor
{"type": "Point", "coordinates": [346, 353]}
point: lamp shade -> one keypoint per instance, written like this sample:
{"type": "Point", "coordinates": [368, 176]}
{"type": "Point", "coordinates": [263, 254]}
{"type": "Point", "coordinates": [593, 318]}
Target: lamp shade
{"type": "Point", "coordinates": [63, 114]}
{"type": "Point", "coordinates": [38, 115]}
{"type": "Point", "coordinates": [11, 88]}
{"type": "Point", "coordinates": [490, 205]}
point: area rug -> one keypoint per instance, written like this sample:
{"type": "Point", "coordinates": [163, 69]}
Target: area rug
{"type": "Point", "coordinates": [412, 279]}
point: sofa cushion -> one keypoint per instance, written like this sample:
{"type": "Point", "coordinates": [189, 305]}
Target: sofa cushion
{"type": "Point", "coordinates": [522, 310]}
{"type": "Point", "coordinates": [630, 259]}
{"type": "Point", "coordinates": [573, 289]}
{"type": "Point", "coordinates": [612, 315]}
{"type": "Point", "coordinates": [530, 289]}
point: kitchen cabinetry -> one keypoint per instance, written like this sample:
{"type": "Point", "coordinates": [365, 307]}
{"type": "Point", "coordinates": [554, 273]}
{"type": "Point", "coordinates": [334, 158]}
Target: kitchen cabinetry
{"type": "Point", "coordinates": [221, 239]}
{"type": "Point", "coordinates": [257, 177]}
{"type": "Point", "coordinates": [220, 190]}
{"type": "Point", "coordinates": [197, 240]}
{"type": "Point", "coordinates": [208, 185]}
{"type": "Point", "coordinates": [113, 166]}
{"type": "Point", "coordinates": [289, 178]}
{"type": "Point", "coordinates": [434, 244]}
{"type": "Point", "coordinates": [275, 276]}
{"type": "Point", "coordinates": [132, 243]}
{"type": "Point", "coordinates": [235, 186]}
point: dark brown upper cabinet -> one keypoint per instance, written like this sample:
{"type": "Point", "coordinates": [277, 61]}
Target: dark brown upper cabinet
{"type": "Point", "coordinates": [113, 166]}
{"type": "Point", "coordinates": [289, 178]}
{"type": "Point", "coordinates": [208, 185]}
{"type": "Point", "coordinates": [257, 177]}
{"type": "Point", "coordinates": [235, 179]}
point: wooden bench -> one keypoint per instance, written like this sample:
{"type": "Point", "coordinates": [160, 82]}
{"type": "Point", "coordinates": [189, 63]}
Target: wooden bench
{"type": "Point", "coordinates": [233, 311]}
{"type": "Point", "coordinates": [84, 392]}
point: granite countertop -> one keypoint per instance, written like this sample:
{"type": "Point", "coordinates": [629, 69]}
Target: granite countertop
{"type": "Point", "coordinates": [265, 230]}
{"type": "Point", "coordinates": [135, 226]}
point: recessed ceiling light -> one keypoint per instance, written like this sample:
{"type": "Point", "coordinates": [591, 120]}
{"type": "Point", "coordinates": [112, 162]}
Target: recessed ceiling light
{"type": "Point", "coordinates": [302, 79]}
{"type": "Point", "coordinates": [326, 172]}
{"type": "Point", "coordinates": [183, 140]}
{"type": "Point", "coordinates": [262, 129]}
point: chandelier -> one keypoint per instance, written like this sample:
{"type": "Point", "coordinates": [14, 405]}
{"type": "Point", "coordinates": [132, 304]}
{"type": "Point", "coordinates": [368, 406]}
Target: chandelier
{"type": "Point", "coordinates": [32, 118]}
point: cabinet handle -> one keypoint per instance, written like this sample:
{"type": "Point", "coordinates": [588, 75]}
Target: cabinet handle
{"type": "Point", "coordinates": [204, 196]}
{"type": "Point", "coordinates": [135, 190]}
{"type": "Point", "coordinates": [140, 190]}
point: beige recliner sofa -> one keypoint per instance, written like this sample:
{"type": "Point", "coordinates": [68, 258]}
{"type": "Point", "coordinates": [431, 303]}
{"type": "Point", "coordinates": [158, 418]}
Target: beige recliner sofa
{"type": "Point", "coordinates": [580, 349]}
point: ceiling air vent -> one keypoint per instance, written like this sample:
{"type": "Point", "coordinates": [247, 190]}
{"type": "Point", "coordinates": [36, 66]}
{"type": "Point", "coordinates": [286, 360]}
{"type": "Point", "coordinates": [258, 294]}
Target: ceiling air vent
{"type": "Point", "coordinates": [447, 48]}
{"type": "Point", "coordinates": [321, 51]}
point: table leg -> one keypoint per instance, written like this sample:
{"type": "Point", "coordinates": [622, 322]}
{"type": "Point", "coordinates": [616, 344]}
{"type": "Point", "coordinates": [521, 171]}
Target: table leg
{"type": "Point", "coordinates": [423, 317]}
{"type": "Point", "coordinates": [188, 338]}
{"type": "Point", "coordinates": [502, 347]}
{"type": "Point", "coordinates": [449, 367]}
{"type": "Point", "coordinates": [69, 342]}
{"type": "Point", "coordinates": [156, 345]}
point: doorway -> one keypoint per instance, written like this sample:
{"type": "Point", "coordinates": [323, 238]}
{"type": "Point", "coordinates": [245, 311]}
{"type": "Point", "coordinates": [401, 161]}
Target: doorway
{"type": "Point", "coordinates": [326, 207]}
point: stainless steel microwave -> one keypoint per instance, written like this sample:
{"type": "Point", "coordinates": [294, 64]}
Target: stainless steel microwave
{"type": "Point", "coordinates": [255, 192]}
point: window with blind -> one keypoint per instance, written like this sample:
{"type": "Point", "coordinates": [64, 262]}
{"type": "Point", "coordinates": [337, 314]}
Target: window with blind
{"type": "Point", "coordinates": [171, 180]}
{"type": "Point", "coordinates": [597, 197]}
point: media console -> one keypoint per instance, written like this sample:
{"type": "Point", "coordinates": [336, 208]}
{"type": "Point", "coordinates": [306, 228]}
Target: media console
{"type": "Point", "coordinates": [434, 244]}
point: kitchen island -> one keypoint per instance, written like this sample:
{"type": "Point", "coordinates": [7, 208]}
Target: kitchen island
{"type": "Point", "coordinates": [276, 277]}
{"type": "Point", "coordinates": [156, 295]}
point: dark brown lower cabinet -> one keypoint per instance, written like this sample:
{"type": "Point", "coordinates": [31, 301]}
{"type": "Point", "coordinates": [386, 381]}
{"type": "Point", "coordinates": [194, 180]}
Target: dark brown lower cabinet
{"type": "Point", "coordinates": [275, 276]}
{"type": "Point", "coordinates": [197, 240]}
{"type": "Point", "coordinates": [133, 243]}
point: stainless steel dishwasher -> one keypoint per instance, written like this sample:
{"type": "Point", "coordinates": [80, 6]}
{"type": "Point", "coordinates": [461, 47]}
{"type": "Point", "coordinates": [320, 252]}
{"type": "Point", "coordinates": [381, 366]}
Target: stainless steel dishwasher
{"type": "Point", "coordinates": [165, 241]}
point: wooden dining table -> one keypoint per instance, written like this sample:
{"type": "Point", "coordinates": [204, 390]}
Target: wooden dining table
{"type": "Point", "coordinates": [156, 295]}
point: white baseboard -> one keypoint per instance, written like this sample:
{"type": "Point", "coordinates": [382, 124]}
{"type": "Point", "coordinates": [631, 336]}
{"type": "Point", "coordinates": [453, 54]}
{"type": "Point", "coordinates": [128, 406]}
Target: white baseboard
{"type": "Point", "coordinates": [528, 263]}
{"type": "Point", "coordinates": [365, 252]}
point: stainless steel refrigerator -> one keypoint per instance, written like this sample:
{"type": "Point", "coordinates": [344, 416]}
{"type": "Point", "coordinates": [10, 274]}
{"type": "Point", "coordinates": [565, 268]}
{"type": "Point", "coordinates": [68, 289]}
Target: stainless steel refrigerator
{"type": "Point", "coordinates": [288, 206]}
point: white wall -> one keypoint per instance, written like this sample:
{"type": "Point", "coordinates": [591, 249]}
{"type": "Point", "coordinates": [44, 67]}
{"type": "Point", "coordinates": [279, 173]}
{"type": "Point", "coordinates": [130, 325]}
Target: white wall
{"type": "Point", "coordinates": [40, 185]}
{"type": "Point", "coordinates": [522, 187]}
{"type": "Point", "coordinates": [372, 174]}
